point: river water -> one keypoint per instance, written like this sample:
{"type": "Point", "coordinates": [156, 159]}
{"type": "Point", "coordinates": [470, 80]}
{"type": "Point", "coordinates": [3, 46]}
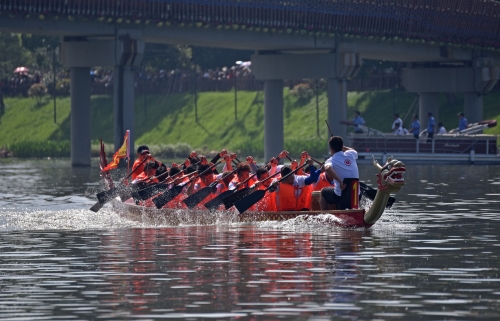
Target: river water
{"type": "Point", "coordinates": [434, 256]}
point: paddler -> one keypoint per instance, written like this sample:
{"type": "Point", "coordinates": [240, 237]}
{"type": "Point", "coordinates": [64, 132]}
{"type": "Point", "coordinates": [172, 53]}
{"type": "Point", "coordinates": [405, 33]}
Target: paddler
{"type": "Point", "coordinates": [242, 173]}
{"type": "Point", "coordinates": [268, 202]}
{"type": "Point", "coordinates": [142, 153]}
{"type": "Point", "coordinates": [341, 165]}
{"type": "Point", "coordinates": [176, 202]}
{"type": "Point", "coordinates": [147, 177]}
{"type": "Point", "coordinates": [294, 193]}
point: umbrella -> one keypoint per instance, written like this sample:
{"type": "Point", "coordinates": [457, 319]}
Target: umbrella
{"type": "Point", "coordinates": [21, 70]}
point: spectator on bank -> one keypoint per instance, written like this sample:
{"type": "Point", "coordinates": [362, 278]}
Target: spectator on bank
{"type": "Point", "coordinates": [415, 126]}
{"type": "Point", "coordinates": [431, 127]}
{"type": "Point", "coordinates": [462, 122]}
{"type": "Point", "coordinates": [358, 120]}
{"type": "Point", "coordinates": [398, 130]}
{"type": "Point", "coordinates": [397, 120]}
{"type": "Point", "coordinates": [441, 129]}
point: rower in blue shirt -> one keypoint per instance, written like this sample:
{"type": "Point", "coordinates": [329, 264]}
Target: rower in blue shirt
{"type": "Point", "coordinates": [462, 122]}
{"type": "Point", "coordinates": [415, 126]}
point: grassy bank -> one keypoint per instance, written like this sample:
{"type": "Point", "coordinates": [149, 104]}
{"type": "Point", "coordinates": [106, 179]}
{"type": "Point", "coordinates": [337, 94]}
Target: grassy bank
{"type": "Point", "coordinates": [170, 120]}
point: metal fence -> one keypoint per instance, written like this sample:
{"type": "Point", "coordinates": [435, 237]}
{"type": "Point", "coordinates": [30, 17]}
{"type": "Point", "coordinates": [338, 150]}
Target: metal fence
{"type": "Point", "coordinates": [466, 22]}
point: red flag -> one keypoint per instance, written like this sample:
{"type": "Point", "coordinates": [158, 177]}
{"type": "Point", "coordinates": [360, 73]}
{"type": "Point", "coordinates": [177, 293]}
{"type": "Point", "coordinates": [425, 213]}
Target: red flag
{"type": "Point", "coordinates": [120, 153]}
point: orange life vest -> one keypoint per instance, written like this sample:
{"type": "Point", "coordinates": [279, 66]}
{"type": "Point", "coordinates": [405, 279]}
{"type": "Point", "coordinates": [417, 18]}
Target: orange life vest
{"type": "Point", "coordinates": [288, 201]}
{"type": "Point", "coordinates": [250, 182]}
{"type": "Point", "coordinates": [267, 203]}
{"type": "Point", "coordinates": [210, 196]}
{"type": "Point", "coordinates": [144, 177]}
{"type": "Point", "coordinates": [176, 202]}
{"type": "Point", "coordinates": [139, 169]}
{"type": "Point", "coordinates": [322, 183]}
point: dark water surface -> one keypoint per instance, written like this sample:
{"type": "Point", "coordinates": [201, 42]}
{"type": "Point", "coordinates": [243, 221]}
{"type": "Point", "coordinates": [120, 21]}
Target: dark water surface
{"type": "Point", "coordinates": [434, 256]}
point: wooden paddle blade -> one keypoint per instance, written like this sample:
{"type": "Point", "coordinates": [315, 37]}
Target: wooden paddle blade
{"type": "Point", "coordinates": [148, 192]}
{"type": "Point", "coordinates": [167, 196]}
{"type": "Point", "coordinates": [247, 202]}
{"type": "Point", "coordinates": [104, 196]}
{"type": "Point", "coordinates": [214, 204]}
{"type": "Point", "coordinates": [197, 197]}
{"type": "Point", "coordinates": [236, 196]}
{"type": "Point", "coordinates": [125, 193]}
{"type": "Point", "coordinates": [97, 206]}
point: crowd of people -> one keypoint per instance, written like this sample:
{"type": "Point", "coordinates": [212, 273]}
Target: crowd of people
{"type": "Point", "coordinates": [398, 127]}
{"type": "Point", "coordinates": [19, 84]}
{"type": "Point", "coordinates": [287, 187]}
{"type": "Point", "coordinates": [153, 81]}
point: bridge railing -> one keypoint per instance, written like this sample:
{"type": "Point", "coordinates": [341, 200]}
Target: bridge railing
{"type": "Point", "coordinates": [467, 22]}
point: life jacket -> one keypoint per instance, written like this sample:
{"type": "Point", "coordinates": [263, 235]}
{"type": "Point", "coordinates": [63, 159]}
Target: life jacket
{"type": "Point", "coordinates": [176, 202]}
{"type": "Point", "coordinates": [143, 177]}
{"type": "Point", "coordinates": [139, 169]}
{"type": "Point", "coordinates": [222, 188]}
{"type": "Point", "coordinates": [322, 183]}
{"type": "Point", "coordinates": [288, 201]}
{"type": "Point", "coordinates": [250, 182]}
{"type": "Point", "coordinates": [267, 203]}
{"type": "Point", "coordinates": [210, 196]}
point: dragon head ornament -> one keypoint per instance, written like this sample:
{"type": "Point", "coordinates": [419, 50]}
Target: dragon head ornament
{"type": "Point", "coordinates": [391, 177]}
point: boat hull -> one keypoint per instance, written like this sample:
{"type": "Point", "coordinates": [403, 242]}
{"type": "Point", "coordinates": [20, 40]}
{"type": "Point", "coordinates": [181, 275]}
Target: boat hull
{"type": "Point", "coordinates": [343, 218]}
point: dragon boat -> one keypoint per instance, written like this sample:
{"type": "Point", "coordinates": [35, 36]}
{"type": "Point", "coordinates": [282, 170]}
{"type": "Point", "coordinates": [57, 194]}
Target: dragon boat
{"type": "Point", "coordinates": [390, 180]}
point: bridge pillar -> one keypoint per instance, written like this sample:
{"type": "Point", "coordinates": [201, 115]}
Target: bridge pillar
{"type": "Point", "coordinates": [480, 77]}
{"type": "Point", "coordinates": [123, 105]}
{"type": "Point", "coordinates": [337, 105]}
{"type": "Point", "coordinates": [473, 107]}
{"type": "Point", "coordinates": [273, 118]}
{"type": "Point", "coordinates": [272, 67]}
{"type": "Point", "coordinates": [80, 116]}
{"type": "Point", "coordinates": [428, 102]}
{"type": "Point", "coordinates": [128, 54]}
{"type": "Point", "coordinates": [79, 54]}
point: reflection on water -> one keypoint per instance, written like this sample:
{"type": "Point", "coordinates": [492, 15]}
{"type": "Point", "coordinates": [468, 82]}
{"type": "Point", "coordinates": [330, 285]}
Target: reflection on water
{"type": "Point", "coordinates": [435, 256]}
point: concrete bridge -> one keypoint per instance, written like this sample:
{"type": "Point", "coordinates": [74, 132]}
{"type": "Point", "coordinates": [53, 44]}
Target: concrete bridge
{"type": "Point", "coordinates": [448, 45]}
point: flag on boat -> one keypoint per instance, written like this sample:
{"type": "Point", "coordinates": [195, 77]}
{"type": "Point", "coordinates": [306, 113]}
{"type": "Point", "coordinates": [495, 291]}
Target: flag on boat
{"type": "Point", "coordinates": [122, 152]}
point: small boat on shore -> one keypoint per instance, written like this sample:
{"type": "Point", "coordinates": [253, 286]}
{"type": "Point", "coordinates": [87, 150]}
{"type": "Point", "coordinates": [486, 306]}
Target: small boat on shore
{"type": "Point", "coordinates": [390, 180]}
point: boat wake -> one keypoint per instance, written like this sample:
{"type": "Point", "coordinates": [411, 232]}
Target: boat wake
{"type": "Point", "coordinates": [70, 219]}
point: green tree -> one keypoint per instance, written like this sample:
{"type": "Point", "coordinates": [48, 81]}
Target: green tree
{"type": "Point", "coordinates": [13, 54]}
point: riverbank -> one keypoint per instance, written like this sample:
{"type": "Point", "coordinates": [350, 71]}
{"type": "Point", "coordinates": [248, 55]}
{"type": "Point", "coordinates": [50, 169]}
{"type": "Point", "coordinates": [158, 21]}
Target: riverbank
{"type": "Point", "coordinates": [215, 122]}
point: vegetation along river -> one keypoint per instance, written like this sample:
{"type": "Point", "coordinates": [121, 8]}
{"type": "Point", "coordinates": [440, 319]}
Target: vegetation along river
{"type": "Point", "coordinates": [433, 256]}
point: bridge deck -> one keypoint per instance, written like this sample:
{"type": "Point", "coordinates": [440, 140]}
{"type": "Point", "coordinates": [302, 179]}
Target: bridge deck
{"type": "Point", "coordinates": [470, 23]}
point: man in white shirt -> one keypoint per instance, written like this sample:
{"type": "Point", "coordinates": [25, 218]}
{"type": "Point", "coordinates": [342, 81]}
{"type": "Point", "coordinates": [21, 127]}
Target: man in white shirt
{"type": "Point", "coordinates": [397, 120]}
{"type": "Point", "coordinates": [398, 130]}
{"type": "Point", "coordinates": [341, 165]}
{"type": "Point", "coordinates": [441, 130]}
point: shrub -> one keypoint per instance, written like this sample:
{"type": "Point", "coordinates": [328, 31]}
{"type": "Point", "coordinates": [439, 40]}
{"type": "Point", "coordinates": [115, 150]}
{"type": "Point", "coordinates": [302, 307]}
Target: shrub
{"type": "Point", "coordinates": [179, 150]}
{"type": "Point", "coordinates": [63, 87]}
{"type": "Point", "coordinates": [37, 91]}
{"type": "Point", "coordinates": [25, 149]}
{"type": "Point", "coordinates": [252, 147]}
{"type": "Point", "coordinates": [315, 147]}
{"type": "Point", "coordinates": [302, 92]}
